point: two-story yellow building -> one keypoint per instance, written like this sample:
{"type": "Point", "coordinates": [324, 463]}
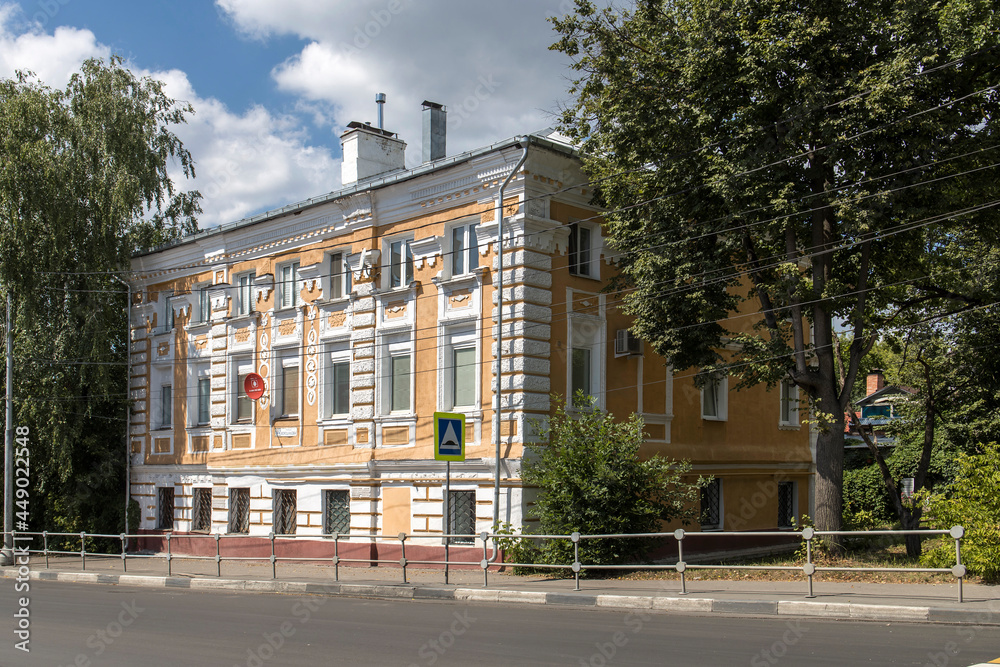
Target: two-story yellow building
{"type": "Point", "coordinates": [367, 309]}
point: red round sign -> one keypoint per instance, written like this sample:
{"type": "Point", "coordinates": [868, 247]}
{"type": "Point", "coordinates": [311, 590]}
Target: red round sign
{"type": "Point", "coordinates": [254, 386]}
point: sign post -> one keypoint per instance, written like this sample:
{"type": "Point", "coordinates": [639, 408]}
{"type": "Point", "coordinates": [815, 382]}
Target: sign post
{"type": "Point", "coordinates": [449, 445]}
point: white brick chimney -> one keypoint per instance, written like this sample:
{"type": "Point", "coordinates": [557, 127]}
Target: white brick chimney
{"type": "Point", "coordinates": [369, 152]}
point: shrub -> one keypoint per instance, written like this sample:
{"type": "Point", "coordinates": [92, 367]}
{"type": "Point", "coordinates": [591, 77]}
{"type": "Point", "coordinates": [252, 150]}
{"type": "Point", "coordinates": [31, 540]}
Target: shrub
{"type": "Point", "coordinates": [971, 501]}
{"type": "Point", "coordinates": [591, 481]}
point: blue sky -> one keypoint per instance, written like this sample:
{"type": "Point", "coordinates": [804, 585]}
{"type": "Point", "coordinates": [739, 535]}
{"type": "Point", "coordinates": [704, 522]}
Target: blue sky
{"type": "Point", "coordinates": [274, 82]}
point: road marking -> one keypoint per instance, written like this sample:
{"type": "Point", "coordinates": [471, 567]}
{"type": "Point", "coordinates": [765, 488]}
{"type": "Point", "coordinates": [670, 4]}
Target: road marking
{"type": "Point", "coordinates": [987, 664]}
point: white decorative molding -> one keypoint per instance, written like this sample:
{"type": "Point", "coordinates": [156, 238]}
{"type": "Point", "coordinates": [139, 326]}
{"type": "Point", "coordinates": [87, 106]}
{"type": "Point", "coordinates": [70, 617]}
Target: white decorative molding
{"type": "Point", "coordinates": [263, 285]}
{"type": "Point", "coordinates": [427, 249]}
{"type": "Point", "coordinates": [219, 296]}
{"type": "Point", "coordinates": [311, 276]}
{"type": "Point", "coordinates": [264, 366]}
{"type": "Point", "coordinates": [312, 362]}
{"type": "Point", "coordinates": [361, 263]}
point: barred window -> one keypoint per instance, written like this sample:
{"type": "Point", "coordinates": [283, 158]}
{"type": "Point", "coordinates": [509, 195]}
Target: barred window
{"type": "Point", "coordinates": [711, 505]}
{"type": "Point", "coordinates": [165, 507]}
{"type": "Point", "coordinates": [239, 511]}
{"type": "Point", "coordinates": [462, 516]}
{"type": "Point", "coordinates": [786, 504]}
{"type": "Point", "coordinates": [283, 511]}
{"type": "Point", "coordinates": [336, 512]}
{"type": "Point", "coordinates": [201, 515]}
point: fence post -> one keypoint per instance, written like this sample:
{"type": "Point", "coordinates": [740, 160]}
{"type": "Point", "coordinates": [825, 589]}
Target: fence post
{"type": "Point", "coordinates": [45, 547]}
{"type": "Point", "coordinates": [169, 573]}
{"type": "Point", "coordinates": [958, 532]}
{"type": "Point", "coordinates": [807, 534]}
{"type": "Point", "coordinates": [484, 563]}
{"type": "Point", "coordinates": [124, 560]}
{"type": "Point", "coordinates": [681, 565]}
{"type": "Point", "coordinates": [336, 556]}
{"type": "Point", "coordinates": [218, 556]}
{"type": "Point", "coordinates": [83, 550]}
{"type": "Point", "coordinates": [576, 558]}
{"type": "Point", "coordinates": [274, 562]}
{"type": "Point", "coordinates": [402, 555]}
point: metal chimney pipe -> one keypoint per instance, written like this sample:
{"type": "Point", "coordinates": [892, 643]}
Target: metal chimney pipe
{"type": "Point", "coordinates": [380, 101]}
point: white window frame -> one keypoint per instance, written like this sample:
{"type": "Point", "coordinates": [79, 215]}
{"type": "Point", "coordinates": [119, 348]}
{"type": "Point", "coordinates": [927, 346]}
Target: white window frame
{"type": "Point", "coordinates": [394, 346]}
{"type": "Point", "coordinates": [463, 251]}
{"type": "Point", "coordinates": [337, 354]}
{"type": "Point", "coordinates": [339, 282]}
{"type": "Point", "coordinates": [169, 321]}
{"type": "Point", "coordinates": [457, 339]}
{"type": "Point", "coordinates": [788, 398]}
{"type": "Point", "coordinates": [580, 250]}
{"type": "Point", "coordinates": [717, 483]}
{"type": "Point", "coordinates": [198, 373]}
{"type": "Point", "coordinates": [165, 406]}
{"type": "Point", "coordinates": [586, 333]}
{"type": "Point", "coordinates": [720, 386]}
{"type": "Point", "coordinates": [201, 305]}
{"type": "Point", "coordinates": [239, 367]}
{"type": "Point", "coordinates": [244, 293]}
{"type": "Point", "coordinates": [288, 358]}
{"type": "Point", "coordinates": [405, 261]}
{"type": "Point", "coordinates": [285, 284]}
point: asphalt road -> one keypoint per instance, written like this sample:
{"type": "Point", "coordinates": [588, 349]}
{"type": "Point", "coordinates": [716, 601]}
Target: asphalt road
{"type": "Point", "coordinates": [90, 625]}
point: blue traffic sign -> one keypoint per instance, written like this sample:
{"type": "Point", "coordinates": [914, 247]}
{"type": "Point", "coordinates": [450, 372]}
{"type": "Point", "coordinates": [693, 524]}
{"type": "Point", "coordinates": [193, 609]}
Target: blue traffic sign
{"type": "Point", "coordinates": [449, 436]}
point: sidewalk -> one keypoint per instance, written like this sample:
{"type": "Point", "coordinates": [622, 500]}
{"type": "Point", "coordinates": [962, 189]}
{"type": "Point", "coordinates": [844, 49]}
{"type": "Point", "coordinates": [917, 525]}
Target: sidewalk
{"type": "Point", "coordinates": [935, 603]}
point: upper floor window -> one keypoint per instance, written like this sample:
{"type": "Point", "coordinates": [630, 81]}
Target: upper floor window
{"type": "Point", "coordinates": [289, 389]}
{"type": "Point", "coordinates": [579, 254]}
{"type": "Point", "coordinates": [203, 306]}
{"type": "Point", "coordinates": [714, 399]}
{"type": "Point", "coordinates": [585, 365]}
{"type": "Point", "coordinates": [400, 263]}
{"type": "Point", "coordinates": [243, 411]}
{"type": "Point", "coordinates": [340, 275]}
{"type": "Point", "coordinates": [338, 385]}
{"type": "Point", "coordinates": [789, 414]}
{"type": "Point", "coordinates": [288, 280]}
{"type": "Point", "coordinates": [399, 369]}
{"type": "Point", "coordinates": [460, 372]}
{"type": "Point", "coordinates": [464, 249]}
{"type": "Point", "coordinates": [244, 293]}
{"type": "Point", "coordinates": [168, 311]}
{"type": "Point", "coordinates": [166, 406]}
{"type": "Point", "coordinates": [204, 400]}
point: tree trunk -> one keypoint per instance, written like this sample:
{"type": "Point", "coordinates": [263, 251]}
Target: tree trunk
{"type": "Point", "coordinates": [911, 521]}
{"type": "Point", "coordinates": [830, 477]}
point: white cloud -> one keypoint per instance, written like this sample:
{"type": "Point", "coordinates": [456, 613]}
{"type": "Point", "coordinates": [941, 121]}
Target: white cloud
{"type": "Point", "coordinates": [245, 162]}
{"type": "Point", "coordinates": [488, 63]}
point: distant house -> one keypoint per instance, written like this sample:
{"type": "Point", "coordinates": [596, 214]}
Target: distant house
{"type": "Point", "coordinates": [875, 411]}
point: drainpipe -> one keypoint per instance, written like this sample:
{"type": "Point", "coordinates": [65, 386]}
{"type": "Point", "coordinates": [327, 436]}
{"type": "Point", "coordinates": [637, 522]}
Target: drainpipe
{"type": "Point", "coordinates": [523, 144]}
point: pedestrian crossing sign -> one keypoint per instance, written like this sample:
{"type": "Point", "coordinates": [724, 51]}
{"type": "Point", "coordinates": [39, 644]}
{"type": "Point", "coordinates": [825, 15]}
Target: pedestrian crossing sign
{"type": "Point", "coordinates": [449, 436]}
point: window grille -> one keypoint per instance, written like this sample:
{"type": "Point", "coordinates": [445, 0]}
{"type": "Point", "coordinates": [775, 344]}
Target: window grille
{"type": "Point", "coordinates": [201, 517]}
{"type": "Point", "coordinates": [283, 521]}
{"type": "Point", "coordinates": [239, 511]}
{"type": "Point", "coordinates": [165, 505]}
{"type": "Point", "coordinates": [711, 505]}
{"type": "Point", "coordinates": [786, 504]}
{"type": "Point", "coordinates": [336, 512]}
{"type": "Point", "coordinates": [462, 516]}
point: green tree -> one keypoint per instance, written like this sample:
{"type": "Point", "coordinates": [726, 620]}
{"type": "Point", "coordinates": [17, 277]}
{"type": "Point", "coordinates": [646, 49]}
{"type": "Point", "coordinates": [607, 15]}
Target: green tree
{"type": "Point", "coordinates": [591, 481]}
{"type": "Point", "coordinates": [971, 502]}
{"type": "Point", "coordinates": [84, 183]}
{"type": "Point", "coordinates": [815, 160]}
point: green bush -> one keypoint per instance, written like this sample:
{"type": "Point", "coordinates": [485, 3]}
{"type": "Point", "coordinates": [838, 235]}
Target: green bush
{"type": "Point", "coordinates": [971, 501]}
{"type": "Point", "coordinates": [591, 481]}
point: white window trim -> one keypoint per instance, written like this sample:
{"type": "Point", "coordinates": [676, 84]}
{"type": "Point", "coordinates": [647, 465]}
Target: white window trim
{"type": "Point", "coordinates": [287, 358]}
{"type": "Point", "coordinates": [598, 349]}
{"type": "Point", "coordinates": [470, 251]}
{"type": "Point", "coordinates": [590, 268]}
{"type": "Point", "coordinates": [792, 422]}
{"type": "Point", "coordinates": [161, 425]}
{"type": "Point", "coordinates": [198, 372]}
{"type": "Point", "coordinates": [722, 399]}
{"type": "Point", "coordinates": [389, 346]}
{"type": "Point", "coordinates": [282, 286]}
{"type": "Point", "coordinates": [169, 318]}
{"type": "Point", "coordinates": [346, 275]}
{"type": "Point", "coordinates": [199, 293]}
{"type": "Point", "coordinates": [245, 308]}
{"type": "Point", "coordinates": [239, 365]}
{"type": "Point", "coordinates": [458, 337]}
{"type": "Point", "coordinates": [336, 352]}
{"type": "Point", "coordinates": [405, 280]}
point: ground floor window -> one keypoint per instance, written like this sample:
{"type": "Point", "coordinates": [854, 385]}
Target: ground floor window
{"type": "Point", "coordinates": [283, 520]}
{"type": "Point", "coordinates": [336, 512]}
{"type": "Point", "coordinates": [711, 505]}
{"type": "Point", "coordinates": [239, 511]}
{"type": "Point", "coordinates": [165, 507]}
{"type": "Point", "coordinates": [462, 516]}
{"type": "Point", "coordinates": [786, 504]}
{"type": "Point", "coordinates": [201, 515]}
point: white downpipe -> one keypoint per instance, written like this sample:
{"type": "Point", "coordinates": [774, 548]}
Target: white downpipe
{"type": "Point", "coordinates": [524, 142]}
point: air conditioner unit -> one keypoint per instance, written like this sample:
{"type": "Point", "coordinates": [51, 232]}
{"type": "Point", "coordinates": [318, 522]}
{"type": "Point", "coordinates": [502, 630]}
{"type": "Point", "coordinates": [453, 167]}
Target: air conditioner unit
{"type": "Point", "coordinates": [627, 344]}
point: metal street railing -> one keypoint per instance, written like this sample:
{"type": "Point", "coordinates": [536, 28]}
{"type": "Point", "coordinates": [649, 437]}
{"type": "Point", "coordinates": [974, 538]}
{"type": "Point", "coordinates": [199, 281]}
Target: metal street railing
{"type": "Point", "coordinates": [333, 543]}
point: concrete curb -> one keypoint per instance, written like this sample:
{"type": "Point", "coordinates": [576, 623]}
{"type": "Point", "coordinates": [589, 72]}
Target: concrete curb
{"type": "Point", "coordinates": [685, 605]}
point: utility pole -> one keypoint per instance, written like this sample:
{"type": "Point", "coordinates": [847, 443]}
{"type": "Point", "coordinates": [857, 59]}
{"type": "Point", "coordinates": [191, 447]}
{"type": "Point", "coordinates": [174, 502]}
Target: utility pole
{"type": "Point", "coordinates": [7, 557]}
